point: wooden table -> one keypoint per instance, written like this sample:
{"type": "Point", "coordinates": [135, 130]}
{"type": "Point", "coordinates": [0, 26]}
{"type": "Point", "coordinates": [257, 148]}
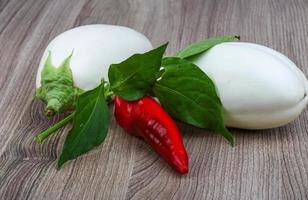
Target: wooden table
{"type": "Point", "coordinates": [269, 164]}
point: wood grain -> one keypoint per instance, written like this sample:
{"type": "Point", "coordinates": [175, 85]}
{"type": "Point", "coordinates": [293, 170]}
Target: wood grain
{"type": "Point", "coordinates": [269, 164]}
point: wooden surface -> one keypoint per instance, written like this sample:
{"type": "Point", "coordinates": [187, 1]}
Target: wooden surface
{"type": "Point", "coordinates": [271, 164]}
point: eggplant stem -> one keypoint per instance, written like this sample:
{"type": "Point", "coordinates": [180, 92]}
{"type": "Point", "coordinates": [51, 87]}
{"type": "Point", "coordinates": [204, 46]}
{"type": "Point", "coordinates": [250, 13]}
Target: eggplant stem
{"type": "Point", "coordinates": [49, 112]}
{"type": "Point", "coordinates": [43, 135]}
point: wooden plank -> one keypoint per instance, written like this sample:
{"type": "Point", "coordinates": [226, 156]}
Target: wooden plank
{"type": "Point", "coordinates": [269, 164]}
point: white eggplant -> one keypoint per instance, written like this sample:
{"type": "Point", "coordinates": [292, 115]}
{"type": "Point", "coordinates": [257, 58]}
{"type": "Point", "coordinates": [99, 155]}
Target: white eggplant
{"type": "Point", "coordinates": [82, 56]}
{"type": "Point", "coordinates": [258, 86]}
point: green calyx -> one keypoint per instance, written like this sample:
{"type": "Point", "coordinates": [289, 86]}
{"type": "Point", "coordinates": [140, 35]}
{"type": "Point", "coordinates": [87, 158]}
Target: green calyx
{"type": "Point", "coordinates": [57, 87]}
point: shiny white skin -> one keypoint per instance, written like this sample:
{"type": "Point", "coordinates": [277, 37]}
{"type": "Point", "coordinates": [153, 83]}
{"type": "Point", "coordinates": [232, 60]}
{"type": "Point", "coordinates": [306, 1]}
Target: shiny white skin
{"type": "Point", "coordinates": [259, 87]}
{"type": "Point", "coordinates": [94, 48]}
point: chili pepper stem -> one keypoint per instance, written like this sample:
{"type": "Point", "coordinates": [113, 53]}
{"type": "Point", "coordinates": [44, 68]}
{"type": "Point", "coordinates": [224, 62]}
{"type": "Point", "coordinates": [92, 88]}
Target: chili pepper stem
{"type": "Point", "coordinates": [108, 92]}
{"type": "Point", "coordinates": [43, 135]}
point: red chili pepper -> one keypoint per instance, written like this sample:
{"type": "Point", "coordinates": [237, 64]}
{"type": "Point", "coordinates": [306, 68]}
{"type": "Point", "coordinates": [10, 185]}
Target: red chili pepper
{"type": "Point", "coordinates": [145, 118]}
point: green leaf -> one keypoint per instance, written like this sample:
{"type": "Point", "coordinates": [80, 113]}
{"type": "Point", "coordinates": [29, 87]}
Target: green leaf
{"type": "Point", "coordinates": [134, 77]}
{"type": "Point", "coordinates": [90, 125]}
{"type": "Point", "coordinates": [189, 95]}
{"type": "Point", "coordinates": [57, 87]}
{"type": "Point", "coordinates": [204, 45]}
